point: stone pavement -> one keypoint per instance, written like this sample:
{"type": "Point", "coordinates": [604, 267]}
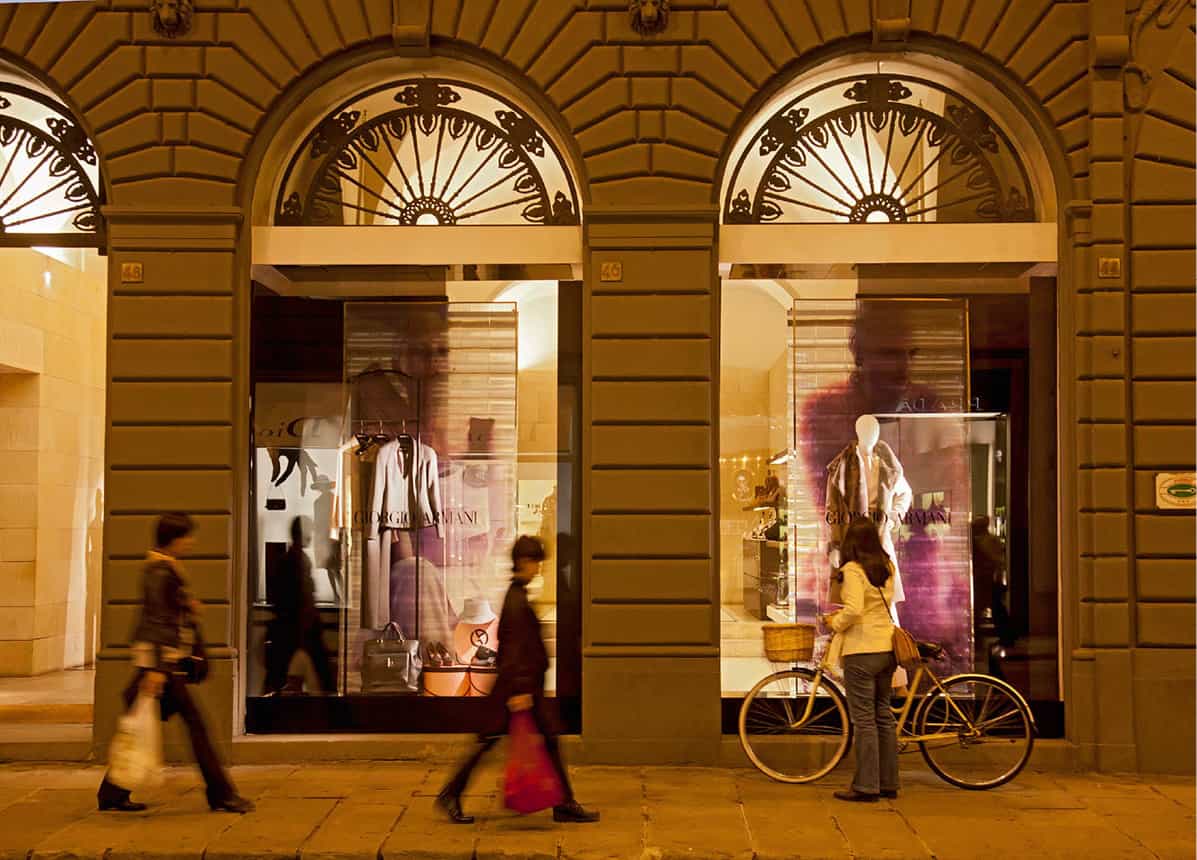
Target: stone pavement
{"type": "Point", "coordinates": [384, 810]}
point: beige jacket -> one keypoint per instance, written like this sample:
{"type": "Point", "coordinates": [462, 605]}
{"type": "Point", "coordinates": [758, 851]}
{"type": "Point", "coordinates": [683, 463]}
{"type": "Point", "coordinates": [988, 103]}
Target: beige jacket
{"type": "Point", "coordinates": [407, 491]}
{"type": "Point", "coordinates": [864, 622]}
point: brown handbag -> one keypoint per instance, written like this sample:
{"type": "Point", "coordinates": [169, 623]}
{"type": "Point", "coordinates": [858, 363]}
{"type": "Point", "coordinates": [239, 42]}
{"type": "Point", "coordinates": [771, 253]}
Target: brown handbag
{"type": "Point", "coordinates": [906, 649]}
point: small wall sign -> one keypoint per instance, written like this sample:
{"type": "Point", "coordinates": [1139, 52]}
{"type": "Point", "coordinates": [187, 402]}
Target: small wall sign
{"type": "Point", "coordinates": [1176, 491]}
{"type": "Point", "coordinates": [132, 273]}
{"type": "Point", "coordinates": [1109, 267]}
{"type": "Point", "coordinates": [610, 272]}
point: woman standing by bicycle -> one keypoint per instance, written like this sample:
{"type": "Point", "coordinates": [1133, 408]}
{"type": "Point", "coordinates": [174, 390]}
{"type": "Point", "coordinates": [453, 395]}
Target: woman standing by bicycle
{"type": "Point", "coordinates": [867, 632]}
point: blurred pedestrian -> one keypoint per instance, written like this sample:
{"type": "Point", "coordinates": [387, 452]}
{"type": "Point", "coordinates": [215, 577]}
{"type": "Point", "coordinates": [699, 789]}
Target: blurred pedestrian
{"type": "Point", "coordinates": [165, 654]}
{"type": "Point", "coordinates": [519, 686]}
{"type": "Point", "coordinates": [867, 631]}
{"type": "Point", "coordinates": [296, 623]}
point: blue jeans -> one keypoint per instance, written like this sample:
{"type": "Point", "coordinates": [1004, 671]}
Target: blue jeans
{"type": "Point", "coordinates": [867, 679]}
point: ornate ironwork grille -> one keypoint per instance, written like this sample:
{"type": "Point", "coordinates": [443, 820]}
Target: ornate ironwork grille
{"type": "Point", "coordinates": [427, 152]}
{"type": "Point", "coordinates": [49, 173]}
{"type": "Point", "coordinates": [879, 148]}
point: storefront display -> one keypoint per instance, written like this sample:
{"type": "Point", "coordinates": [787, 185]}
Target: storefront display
{"type": "Point", "coordinates": [844, 406]}
{"type": "Point", "coordinates": [860, 401]}
{"type": "Point", "coordinates": [417, 469]}
{"type": "Point", "coordinates": [437, 383]}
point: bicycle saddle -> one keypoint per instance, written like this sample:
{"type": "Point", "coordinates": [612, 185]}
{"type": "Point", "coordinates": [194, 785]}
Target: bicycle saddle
{"type": "Point", "coordinates": [930, 650]}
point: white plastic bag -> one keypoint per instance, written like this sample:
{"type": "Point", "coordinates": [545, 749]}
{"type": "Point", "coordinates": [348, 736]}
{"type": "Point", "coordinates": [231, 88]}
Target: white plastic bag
{"type": "Point", "coordinates": [135, 754]}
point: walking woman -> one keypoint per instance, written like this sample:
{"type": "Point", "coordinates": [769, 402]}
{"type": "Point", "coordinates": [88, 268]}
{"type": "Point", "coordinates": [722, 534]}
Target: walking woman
{"type": "Point", "coordinates": [867, 632]}
{"type": "Point", "coordinates": [162, 645]}
{"type": "Point", "coordinates": [522, 664]}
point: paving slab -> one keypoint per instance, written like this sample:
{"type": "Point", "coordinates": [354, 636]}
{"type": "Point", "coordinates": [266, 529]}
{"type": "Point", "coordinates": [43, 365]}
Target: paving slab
{"type": "Point", "coordinates": [257, 781]}
{"type": "Point", "coordinates": [1071, 833]}
{"type": "Point", "coordinates": [505, 835]}
{"type": "Point", "coordinates": [278, 829]}
{"type": "Point", "coordinates": [787, 821]}
{"type": "Point", "coordinates": [352, 831]}
{"type": "Point", "coordinates": [874, 830]}
{"type": "Point", "coordinates": [182, 830]}
{"type": "Point", "coordinates": [618, 795]}
{"type": "Point", "coordinates": [10, 794]}
{"type": "Point", "coordinates": [39, 816]}
{"type": "Point", "coordinates": [91, 835]}
{"type": "Point", "coordinates": [1183, 794]}
{"type": "Point", "coordinates": [1141, 821]}
{"type": "Point", "coordinates": [683, 803]}
{"type": "Point", "coordinates": [422, 833]}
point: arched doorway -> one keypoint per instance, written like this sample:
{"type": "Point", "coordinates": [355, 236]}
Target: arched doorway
{"type": "Point", "coordinates": [415, 363]}
{"type": "Point", "coordinates": [53, 363]}
{"type": "Point", "coordinates": [889, 249]}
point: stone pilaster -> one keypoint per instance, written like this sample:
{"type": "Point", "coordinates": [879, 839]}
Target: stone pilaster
{"type": "Point", "coordinates": [651, 619]}
{"type": "Point", "coordinates": [175, 434]}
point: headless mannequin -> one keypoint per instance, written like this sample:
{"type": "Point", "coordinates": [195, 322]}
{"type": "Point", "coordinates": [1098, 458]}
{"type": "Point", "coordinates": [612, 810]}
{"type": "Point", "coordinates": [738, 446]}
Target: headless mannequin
{"type": "Point", "coordinates": [868, 433]}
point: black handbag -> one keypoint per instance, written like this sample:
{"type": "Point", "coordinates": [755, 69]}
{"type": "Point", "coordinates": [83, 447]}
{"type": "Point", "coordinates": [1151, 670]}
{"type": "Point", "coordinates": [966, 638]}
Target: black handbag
{"type": "Point", "coordinates": [391, 663]}
{"type": "Point", "coordinates": [194, 667]}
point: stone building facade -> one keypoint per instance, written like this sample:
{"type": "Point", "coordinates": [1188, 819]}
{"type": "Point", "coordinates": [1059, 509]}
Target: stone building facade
{"type": "Point", "coordinates": [184, 124]}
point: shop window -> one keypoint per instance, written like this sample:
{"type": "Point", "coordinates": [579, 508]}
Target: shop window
{"type": "Point", "coordinates": [406, 431]}
{"type": "Point", "coordinates": [850, 396]}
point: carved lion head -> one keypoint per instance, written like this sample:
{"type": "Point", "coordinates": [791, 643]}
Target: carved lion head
{"type": "Point", "coordinates": [649, 17]}
{"type": "Point", "coordinates": [172, 18]}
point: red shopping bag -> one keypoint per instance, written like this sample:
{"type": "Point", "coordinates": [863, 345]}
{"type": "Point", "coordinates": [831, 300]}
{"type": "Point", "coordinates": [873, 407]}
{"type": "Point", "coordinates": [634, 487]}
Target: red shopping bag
{"type": "Point", "coordinates": [531, 781]}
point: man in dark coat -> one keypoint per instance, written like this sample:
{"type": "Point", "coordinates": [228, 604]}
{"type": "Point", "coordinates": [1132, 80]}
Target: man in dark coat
{"type": "Point", "coordinates": [519, 686]}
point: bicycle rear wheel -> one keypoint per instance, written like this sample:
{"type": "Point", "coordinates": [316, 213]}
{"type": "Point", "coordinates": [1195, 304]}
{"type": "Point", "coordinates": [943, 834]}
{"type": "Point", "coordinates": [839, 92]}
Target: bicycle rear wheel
{"type": "Point", "coordinates": [988, 729]}
{"type": "Point", "coordinates": [787, 740]}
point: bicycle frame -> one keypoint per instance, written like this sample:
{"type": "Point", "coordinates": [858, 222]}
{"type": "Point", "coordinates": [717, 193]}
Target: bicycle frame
{"type": "Point", "coordinates": [902, 713]}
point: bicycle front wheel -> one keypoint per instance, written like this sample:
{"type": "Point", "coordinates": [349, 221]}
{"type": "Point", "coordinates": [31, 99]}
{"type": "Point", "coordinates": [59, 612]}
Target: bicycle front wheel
{"type": "Point", "coordinates": [794, 726]}
{"type": "Point", "coordinates": [982, 731]}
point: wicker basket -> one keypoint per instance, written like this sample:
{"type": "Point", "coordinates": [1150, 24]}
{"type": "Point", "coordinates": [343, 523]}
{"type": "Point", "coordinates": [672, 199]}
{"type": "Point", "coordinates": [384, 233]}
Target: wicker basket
{"type": "Point", "coordinates": [789, 643]}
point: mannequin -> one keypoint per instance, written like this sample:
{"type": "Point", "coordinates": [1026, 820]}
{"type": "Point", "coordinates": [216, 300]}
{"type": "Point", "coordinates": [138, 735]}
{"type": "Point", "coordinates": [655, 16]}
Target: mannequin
{"type": "Point", "coordinates": [866, 479]}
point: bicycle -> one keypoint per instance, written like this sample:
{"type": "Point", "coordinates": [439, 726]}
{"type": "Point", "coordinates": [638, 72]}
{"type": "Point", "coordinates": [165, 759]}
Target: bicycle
{"type": "Point", "coordinates": [974, 730]}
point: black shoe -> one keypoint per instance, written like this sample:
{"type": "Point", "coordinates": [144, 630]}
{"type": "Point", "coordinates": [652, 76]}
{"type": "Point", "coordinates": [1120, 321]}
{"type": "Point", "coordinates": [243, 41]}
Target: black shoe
{"type": "Point", "coordinates": [853, 796]}
{"type": "Point", "coordinates": [889, 793]}
{"type": "Point", "coordinates": [574, 813]}
{"type": "Point", "coordinates": [124, 805]}
{"type": "Point", "coordinates": [451, 804]}
{"type": "Point", "coordinates": [236, 804]}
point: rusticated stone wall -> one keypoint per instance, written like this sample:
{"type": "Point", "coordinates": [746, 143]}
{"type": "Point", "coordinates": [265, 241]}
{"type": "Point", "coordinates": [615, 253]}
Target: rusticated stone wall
{"type": "Point", "coordinates": [650, 120]}
{"type": "Point", "coordinates": [651, 116]}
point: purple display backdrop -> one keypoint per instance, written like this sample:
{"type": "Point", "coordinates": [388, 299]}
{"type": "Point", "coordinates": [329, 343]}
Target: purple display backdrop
{"type": "Point", "coordinates": [886, 357]}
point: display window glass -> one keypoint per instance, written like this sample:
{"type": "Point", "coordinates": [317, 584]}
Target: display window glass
{"type": "Point", "coordinates": [401, 443]}
{"type": "Point", "coordinates": [843, 398]}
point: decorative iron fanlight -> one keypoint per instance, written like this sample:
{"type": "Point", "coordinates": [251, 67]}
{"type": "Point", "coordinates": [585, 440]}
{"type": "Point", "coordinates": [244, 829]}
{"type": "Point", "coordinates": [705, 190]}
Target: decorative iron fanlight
{"type": "Point", "coordinates": [427, 152]}
{"type": "Point", "coordinates": [49, 173]}
{"type": "Point", "coordinates": [879, 148]}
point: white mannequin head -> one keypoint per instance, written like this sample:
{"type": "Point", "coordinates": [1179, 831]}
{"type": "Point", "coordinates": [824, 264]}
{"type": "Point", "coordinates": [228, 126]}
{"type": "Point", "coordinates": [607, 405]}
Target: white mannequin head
{"type": "Point", "coordinates": [868, 431]}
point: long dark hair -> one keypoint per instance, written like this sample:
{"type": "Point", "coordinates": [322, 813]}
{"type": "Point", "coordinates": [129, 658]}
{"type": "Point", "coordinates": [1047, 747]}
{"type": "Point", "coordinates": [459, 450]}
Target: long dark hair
{"type": "Point", "coordinates": [862, 544]}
